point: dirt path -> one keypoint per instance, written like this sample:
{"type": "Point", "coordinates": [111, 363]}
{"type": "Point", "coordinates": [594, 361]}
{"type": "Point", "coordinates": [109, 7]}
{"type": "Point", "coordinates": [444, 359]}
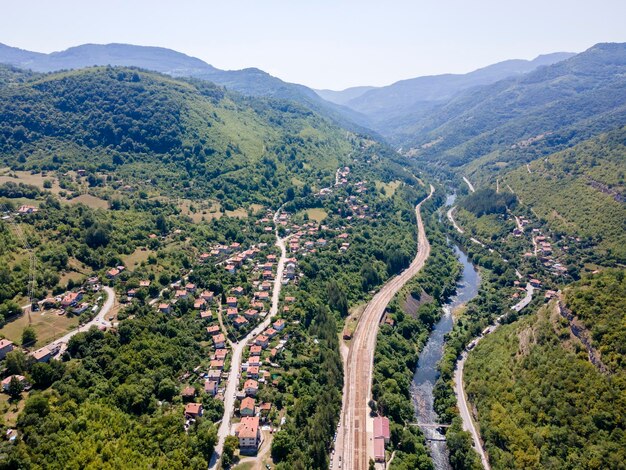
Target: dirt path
{"type": "Point", "coordinates": [450, 215]}
{"type": "Point", "coordinates": [354, 442]}
{"type": "Point", "coordinates": [469, 185]}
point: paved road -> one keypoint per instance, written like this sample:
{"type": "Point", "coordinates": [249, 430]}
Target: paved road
{"type": "Point", "coordinates": [466, 416]}
{"type": "Point", "coordinates": [354, 443]}
{"type": "Point", "coordinates": [450, 215]}
{"type": "Point", "coordinates": [98, 320]}
{"type": "Point", "coordinates": [459, 386]}
{"type": "Point", "coordinates": [237, 351]}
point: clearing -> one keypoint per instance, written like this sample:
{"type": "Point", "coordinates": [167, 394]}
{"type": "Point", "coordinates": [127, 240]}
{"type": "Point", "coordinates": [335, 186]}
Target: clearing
{"type": "Point", "coordinates": [48, 326]}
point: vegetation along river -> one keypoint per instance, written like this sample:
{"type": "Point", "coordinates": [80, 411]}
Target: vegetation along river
{"type": "Point", "coordinates": [427, 374]}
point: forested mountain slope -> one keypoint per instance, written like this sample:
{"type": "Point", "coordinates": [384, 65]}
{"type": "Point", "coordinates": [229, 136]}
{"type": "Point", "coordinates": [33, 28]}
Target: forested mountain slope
{"type": "Point", "coordinates": [249, 81]}
{"type": "Point", "coordinates": [517, 120]}
{"type": "Point", "coordinates": [175, 135]}
{"type": "Point", "coordinates": [581, 192]}
{"type": "Point", "coordinates": [541, 403]}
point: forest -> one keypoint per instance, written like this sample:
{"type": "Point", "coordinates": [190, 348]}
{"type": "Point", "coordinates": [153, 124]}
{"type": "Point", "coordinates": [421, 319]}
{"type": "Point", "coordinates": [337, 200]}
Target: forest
{"type": "Point", "coordinates": [540, 401]}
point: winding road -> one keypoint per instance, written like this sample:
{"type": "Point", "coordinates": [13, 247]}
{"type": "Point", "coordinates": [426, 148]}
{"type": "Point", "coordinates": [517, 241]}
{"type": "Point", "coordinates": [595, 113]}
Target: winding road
{"type": "Point", "coordinates": [98, 320]}
{"type": "Point", "coordinates": [354, 446]}
{"type": "Point", "coordinates": [238, 348]}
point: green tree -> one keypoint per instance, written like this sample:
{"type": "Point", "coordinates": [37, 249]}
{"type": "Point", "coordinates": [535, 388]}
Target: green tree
{"type": "Point", "coordinates": [15, 362]}
{"type": "Point", "coordinates": [16, 387]}
{"type": "Point", "coordinates": [29, 337]}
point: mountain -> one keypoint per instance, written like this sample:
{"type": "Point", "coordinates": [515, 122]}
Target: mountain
{"type": "Point", "coordinates": [494, 127]}
{"type": "Point", "coordinates": [592, 174]}
{"type": "Point", "coordinates": [183, 136]}
{"type": "Point", "coordinates": [344, 96]}
{"type": "Point", "coordinates": [250, 81]}
{"type": "Point", "coordinates": [408, 96]}
{"type": "Point", "coordinates": [535, 377]}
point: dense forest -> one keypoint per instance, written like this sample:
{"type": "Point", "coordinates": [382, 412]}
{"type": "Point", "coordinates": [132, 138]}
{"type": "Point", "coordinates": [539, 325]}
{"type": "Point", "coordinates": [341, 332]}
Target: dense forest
{"type": "Point", "coordinates": [541, 403]}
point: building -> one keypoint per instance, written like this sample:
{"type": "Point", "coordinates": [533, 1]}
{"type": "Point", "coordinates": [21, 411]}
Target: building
{"type": "Point", "coordinates": [210, 387]}
{"type": "Point", "coordinates": [279, 325]}
{"type": "Point", "coordinates": [6, 382]}
{"type": "Point", "coordinates": [219, 341]}
{"type": "Point", "coordinates": [247, 407]}
{"type": "Point", "coordinates": [249, 435]}
{"type": "Point", "coordinates": [193, 410]}
{"type": "Point", "coordinates": [42, 355]}
{"type": "Point", "coordinates": [251, 387]}
{"type": "Point", "coordinates": [6, 346]}
{"type": "Point", "coordinates": [71, 299]}
{"type": "Point", "coordinates": [381, 428]}
{"type": "Point", "coordinates": [379, 450]}
{"type": "Point", "coordinates": [213, 330]}
{"type": "Point", "coordinates": [164, 308]}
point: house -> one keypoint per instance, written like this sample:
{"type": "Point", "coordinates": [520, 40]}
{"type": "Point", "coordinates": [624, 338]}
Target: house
{"type": "Point", "coordinates": [188, 393]}
{"type": "Point", "coordinates": [164, 308]}
{"type": "Point", "coordinates": [214, 376]}
{"type": "Point", "coordinates": [279, 325]}
{"type": "Point", "coordinates": [220, 354]}
{"type": "Point", "coordinates": [71, 299]}
{"type": "Point", "coordinates": [210, 387]}
{"type": "Point", "coordinates": [254, 361]}
{"type": "Point", "coordinates": [271, 332]}
{"type": "Point", "coordinates": [213, 330]}
{"type": "Point", "coordinates": [255, 350]}
{"type": "Point", "coordinates": [262, 341]}
{"type": "Point", "coordinates": [232, 312]}
{"type": "Point", "coordinates": [240, 321]}
{"type": "Point", "coordinates": [253, 372]}
{"type": "Point", "coordinates": [290, 300]}
{"type": "Point", "coordinates": [42, 355]}
{"type": "Point", "coordinates": [231, 301]}
{"type": "Point", "coordinates": [6, 346]}
{"type": "Point", "coordinates": [237, 291]}
{"type": "Point", "coordinates": [190, 287]}
{"type": "Point", "coordinates": [199, 304]}
{"type": "Point", "coordinates": [217, 364]}
{"type": "Point", "coordinates": [249, 435]}
{"type": "Point", "coordinates": [381, 428]}
{"type": "Point", "coordinates": [251, 313]}
{"type": "Point", "coordinates": [266, 286]}
{"type": "Point", "coordinates": [27, 209]}
{"type": "Point", "coordinates": [247, 407]}
{"type": "Point", "coordinates": [264, 409]}
{"type": "Point", "coordinates": [193, 410]}
{"type": "Point", "coordinates": [230, 268]}
{"type": "Point", "coordinates": [219, 341]}
{"type": "Point", "coordinates": [535, 283]}
{"type": "Point", "coordinates": [208, 296]}
{"type": "Point", "coordinates": [113, 273]}
{"type": "Point", "coordinates": [6, 382]}
{"type": "Point", "coordinates": [181, 294]}
{"type": "Point", "coordinates": [251, 387]}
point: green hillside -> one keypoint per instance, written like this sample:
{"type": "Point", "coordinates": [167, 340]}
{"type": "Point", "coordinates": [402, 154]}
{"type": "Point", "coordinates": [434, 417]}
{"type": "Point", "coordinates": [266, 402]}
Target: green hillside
{"type": "Point", "coordinates": [581, 192]}
{"type": "Point", "coordinates": [540, 401]}
{"type": "Point", "coordinates": [499, 126]}
{"type": "Point", "coordinates": [181, 137]}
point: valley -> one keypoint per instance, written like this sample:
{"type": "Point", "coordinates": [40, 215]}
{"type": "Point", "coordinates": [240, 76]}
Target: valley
{"type": "Point", "coordinates": [217, 269]}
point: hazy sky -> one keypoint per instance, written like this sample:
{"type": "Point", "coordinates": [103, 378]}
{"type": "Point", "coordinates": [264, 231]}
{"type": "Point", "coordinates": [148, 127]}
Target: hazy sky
{"type": "Point", "coordinates": [324, 43]}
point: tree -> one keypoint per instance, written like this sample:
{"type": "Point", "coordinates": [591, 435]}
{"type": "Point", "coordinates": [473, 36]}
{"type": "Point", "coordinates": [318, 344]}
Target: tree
{"type": "Point", "coordinates": [372, 465]}
{"type": "Point", "coordinates": [29, 337]}
{"type": "Point", "coordinates": [16, 387]}
{"type": "Point", "coordinates": [231, 443]}
{"type": "Point", "coordinates": [15, 362]}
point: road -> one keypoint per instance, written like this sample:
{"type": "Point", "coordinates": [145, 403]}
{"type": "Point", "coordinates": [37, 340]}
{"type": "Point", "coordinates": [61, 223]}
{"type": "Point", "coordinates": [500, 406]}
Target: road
{"type": "Point", "coordinates": [354, 443]}
{"type": "Point", "coordinates": [469, 185]}
{"type": "Point", "coordinates": [451, 219]}
{"type": "Point", "coordinates": [466, 416]}
{"type": "Point", "coordinates": [459, 386]}
{"type": "Point", "coordinates": [98, 320]}
{"type": "Point", "coordinates": [238, 348]}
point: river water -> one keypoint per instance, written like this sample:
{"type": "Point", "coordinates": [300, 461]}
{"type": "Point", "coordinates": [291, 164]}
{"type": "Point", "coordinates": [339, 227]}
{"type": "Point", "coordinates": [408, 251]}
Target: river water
{"type": "Point", "coordinates": [427, 374]}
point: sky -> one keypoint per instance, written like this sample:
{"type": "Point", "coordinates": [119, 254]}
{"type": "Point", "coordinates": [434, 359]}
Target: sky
{"type": "Point", "coordinates": [324, 43]}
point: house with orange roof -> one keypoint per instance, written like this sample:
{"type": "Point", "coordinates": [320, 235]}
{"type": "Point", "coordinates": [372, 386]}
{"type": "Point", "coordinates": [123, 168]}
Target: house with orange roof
{"type": "Point", "coordinates": [247, 407]}
{"type": "Point", "coordinates": [249, 435]}
{"type": "Point", "coordinates": [193, 410]}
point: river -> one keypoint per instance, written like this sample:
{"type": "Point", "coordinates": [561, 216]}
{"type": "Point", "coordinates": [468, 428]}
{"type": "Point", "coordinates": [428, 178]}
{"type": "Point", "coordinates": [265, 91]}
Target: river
{"type": "Point", "coordinates": [426, 373]}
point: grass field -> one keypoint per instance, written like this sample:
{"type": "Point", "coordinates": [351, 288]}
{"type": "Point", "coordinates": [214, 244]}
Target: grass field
{"type": "Point", "coordinates": [91, 201]}
{"type": "Point", "coordinates": [136, 257]}
{"type": "Point", "coordinates": [316, 214]}
{"type": "Point", "coordinates": [27, 178]}
{"type": "Point", "coordinates": [47, 324]}
{"type": "Point", "coordinates": [388, 188]}
{"type": "Point", "coordinates": [240, 213]}
{"type": "Point", "coordinates": [10, 409]}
